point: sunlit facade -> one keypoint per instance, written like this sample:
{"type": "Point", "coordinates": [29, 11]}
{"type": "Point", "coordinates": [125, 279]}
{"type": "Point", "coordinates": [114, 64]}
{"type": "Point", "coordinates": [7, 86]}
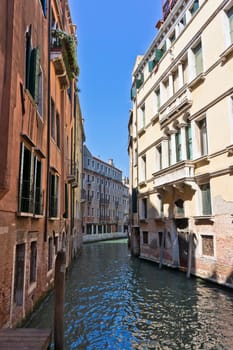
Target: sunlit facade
{"type": "Point", "coordinates": [105, 196]}
{"type": "Point", "coordinates": [181, 141]}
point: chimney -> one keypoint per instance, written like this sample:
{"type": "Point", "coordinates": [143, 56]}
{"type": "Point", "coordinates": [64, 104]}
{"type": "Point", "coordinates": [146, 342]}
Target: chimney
{"type": "Point", "coordinates": [110, 162]}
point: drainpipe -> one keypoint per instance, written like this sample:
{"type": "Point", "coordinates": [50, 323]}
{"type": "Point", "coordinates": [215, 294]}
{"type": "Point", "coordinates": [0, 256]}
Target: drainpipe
{"type": "Point", "coordinates": [48, 128]}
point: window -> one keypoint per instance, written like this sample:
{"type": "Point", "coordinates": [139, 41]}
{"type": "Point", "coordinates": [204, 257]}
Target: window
{"type": "Point", "coordinates": [175, 79]}
{"type": "Point", "coordinates": [230, 17]}
{"type": "Point", "coordinates": [50, 253]}
{"type": "Point", "coordinates": [160, 211]}
{"type": "Point", "coordinates": [198, 60]}
{"type": "Point", "coordinates": [207, 245]}
{"type": "Point", "coordinates": [135, 200]}
{"type": "Point", "coordinates": [19, 274]}
{"type": "Point", "coordinates": [178, 146]}
{"type": "Point", "coordinates": [58, 129]}
{"type": "Point", "coordinates": [33, 258]}
{"type": "Point", "coordinates": [142, 169]}
{"type": "Point", "coordinates": [135, 156]}
{"type": "Point", "coordinates": [179, 207]}
{"type": "Point", "coordinates": [160, 234]}
{"type": "Point", "coordinates": [145, 237]}
{"type": "Point", "coordinates": [159, 157]}
{"type": "Point", "coordinates": [189, 145]}
{"type": "Point", "coordinates": [43, 4]}
{"type": "Point", "coordinates": [53, 200]}
{"type": "Point", "coordinates": [30, 191]}
{"type": "Point", "coordinates": [203, 138]}
{"type": "Point", "coordinates": [144, 208]}
{"type": "Point", "coordinates": [166, 93]}
{"type": "Point", "coordinates": [172, 37]}
{"type": "Point", "coordinates": [169, 150]}
{"type": "Point", "coordinates": [194, 7]}
{"type": "Point", "coordinates": [40, 93]}
{"type": "Point", "coordinates": [53, 132]}
{"type": "Point", "coordinates": [141, 121]}
{"type": "Point", "coordinates": [206, 199]}
{"type": "Point", "coordinates": [157, 100]}
{"type": "Point", "coordinates": [185, 70]}
{"type": "Point", "coordinates": [34, 74]}
{"type": "Point", "coordinates": [56, 244]}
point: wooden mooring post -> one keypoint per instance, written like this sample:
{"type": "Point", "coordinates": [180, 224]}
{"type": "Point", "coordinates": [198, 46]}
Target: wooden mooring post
{"type": "Point", "coordinates": [59, 300]}
{"type": "Point", "coordinates": [162, 248]}
{"type": "Point", "coordinates": [190, 252]}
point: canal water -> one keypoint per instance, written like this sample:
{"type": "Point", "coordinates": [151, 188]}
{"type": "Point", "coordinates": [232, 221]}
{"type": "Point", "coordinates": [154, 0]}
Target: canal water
{"type": "Point", "coordinates": [115, 301]}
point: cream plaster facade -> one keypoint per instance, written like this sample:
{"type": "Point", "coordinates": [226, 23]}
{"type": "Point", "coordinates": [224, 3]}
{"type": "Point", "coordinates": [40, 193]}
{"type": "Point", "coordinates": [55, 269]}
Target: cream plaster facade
{"type": "Point", "coordinates": [105, 196]}
{"type": "Point", "coordinates": [181, 141]}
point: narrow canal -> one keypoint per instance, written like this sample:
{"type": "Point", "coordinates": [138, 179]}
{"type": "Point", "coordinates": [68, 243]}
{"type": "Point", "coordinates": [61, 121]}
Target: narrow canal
{"type": "Point", "coordinates": [115, 301]}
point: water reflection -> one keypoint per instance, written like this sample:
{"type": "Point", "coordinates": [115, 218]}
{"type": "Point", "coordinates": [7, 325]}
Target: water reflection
{"type": "Point", "coordinates": [114, 301]}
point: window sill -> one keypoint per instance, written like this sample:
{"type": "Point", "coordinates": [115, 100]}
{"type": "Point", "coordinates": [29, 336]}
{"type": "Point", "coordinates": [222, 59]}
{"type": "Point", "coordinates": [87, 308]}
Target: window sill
{"type": "Point", "coordinates": [226, 54]}
{"type": "Point", "coordinates": [203, 159]}
{"type": "Point", "coordinates": [198, 80]}
{"type": "Point", "coordinates": [143, 220]}
{"type": "Point", "coordinates": [204, 218]}
{"type": "Point", "coordinates": [38, 216]}
{"type": "Point", "coordinates": [155, 118]}
{"type": "Point", "coordinates": [54, 218]}
{"type": "Point", "coordinates": [25, 214]}
{"type": "Point", "coordinates": [229, 150]}
{"type": "Point", "coordinates": [141, 131]}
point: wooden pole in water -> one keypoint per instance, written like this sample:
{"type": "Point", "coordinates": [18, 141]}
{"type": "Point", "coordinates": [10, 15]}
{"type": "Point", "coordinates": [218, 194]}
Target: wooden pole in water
{"type": "Point", "coordinates": [59, 299]}
{"type": "Point", "coordinates": [161, 249]}
{"type": "Point", "coordinates": [190, 255]}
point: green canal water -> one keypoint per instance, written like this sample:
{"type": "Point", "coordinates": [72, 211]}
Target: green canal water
{"type": "Point", "coordinates": [115, 301]}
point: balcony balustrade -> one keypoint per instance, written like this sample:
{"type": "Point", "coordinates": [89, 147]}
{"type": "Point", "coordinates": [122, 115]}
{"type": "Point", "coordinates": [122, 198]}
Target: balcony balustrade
{"type": "Point", "coordinates": [178, 174]}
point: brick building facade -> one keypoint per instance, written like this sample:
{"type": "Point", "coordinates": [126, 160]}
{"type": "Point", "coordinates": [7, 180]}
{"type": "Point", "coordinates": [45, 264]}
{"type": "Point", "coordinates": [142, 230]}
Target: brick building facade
{"type": "Point", "coordinates": [38, 116]}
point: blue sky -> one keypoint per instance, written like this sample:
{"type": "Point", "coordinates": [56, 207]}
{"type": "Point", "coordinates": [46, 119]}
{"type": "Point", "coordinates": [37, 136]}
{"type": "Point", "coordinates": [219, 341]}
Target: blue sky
{"type": "Point", "coordinates": [110, 36]}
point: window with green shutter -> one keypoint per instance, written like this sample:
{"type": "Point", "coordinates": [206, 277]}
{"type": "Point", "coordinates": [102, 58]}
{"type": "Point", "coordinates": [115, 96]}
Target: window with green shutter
{"type": "Point", "coordinates": [198, 58]}
{"type": "Point", "coordinates": [189, 143]}
{"type": "Point", "coordinates": [151, 65]}
{"type": "Point", "coordinates": [194, 7]}
{"type": "Point", "coordinates": [206, 199]}
{"type": "Point", "coordinates": [139, 80]}
{"type": "Point", "coordinates": [178, 146]}
{"type": "Point", "coordinates": [230, 17]}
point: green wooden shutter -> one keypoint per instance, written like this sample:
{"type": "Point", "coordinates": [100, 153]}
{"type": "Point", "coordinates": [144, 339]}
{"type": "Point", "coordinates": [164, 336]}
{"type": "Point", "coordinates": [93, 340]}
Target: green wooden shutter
{"type": "Point", "coordinates": [206, 199]}
{"type": "Point", "coordinates": [189, 142]}
{"type": "Point", "coordinates": [140, 81]}
{"type": "Point", "coordinates": [158, 55]}
{"type": "Point", "coordinates": [198, 59]}
{"type": "Point", "coordinates": [151, 65]}
{"type": "Point", "coordinates": [34, 73]}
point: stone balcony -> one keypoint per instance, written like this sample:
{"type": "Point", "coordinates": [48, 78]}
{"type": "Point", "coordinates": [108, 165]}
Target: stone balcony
{"type": "Point", "coordinates": [176, 176]}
